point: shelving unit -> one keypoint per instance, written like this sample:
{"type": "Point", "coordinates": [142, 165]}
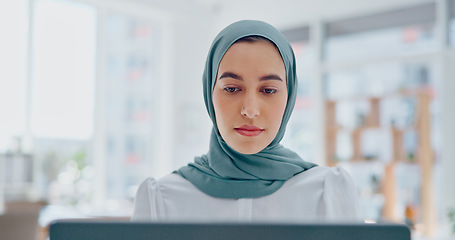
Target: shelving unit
{"type": "Point", "coordinates": [423, 155]}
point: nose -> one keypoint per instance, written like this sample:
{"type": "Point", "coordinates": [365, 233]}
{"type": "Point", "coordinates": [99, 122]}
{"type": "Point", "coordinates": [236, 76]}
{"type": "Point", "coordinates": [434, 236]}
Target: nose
{"type": "Point", "coordinates": [250, 108]}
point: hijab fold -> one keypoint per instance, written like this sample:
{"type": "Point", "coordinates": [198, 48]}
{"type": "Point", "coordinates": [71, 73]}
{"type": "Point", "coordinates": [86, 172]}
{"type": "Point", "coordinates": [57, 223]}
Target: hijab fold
{"type": "Point", "coordinates": [223, 172]}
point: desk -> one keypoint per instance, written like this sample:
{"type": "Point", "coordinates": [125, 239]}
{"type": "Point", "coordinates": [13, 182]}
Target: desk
{"type": "Point", "coordinates": [52, 213]}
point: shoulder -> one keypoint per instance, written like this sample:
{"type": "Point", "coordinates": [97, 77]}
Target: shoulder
{"type": "Point", "coordinates": [145, 203]}
{"type": "Point", "coordinates": [325, 180]}
{"type": "Point", "coordinates": [338, 182]}
{"type": "Point", "coordinates": [174, 182]}
{"type": "Point", "coordinates": [170, 187]}
{"type": "Point", "coordinates": [334, 188]}
{"type": "Point", "coordinates": [333, 180]}
{"type": "Point", "coordinates": [338, 176]}
{"type": "Point", "coordinates": [340, 196]}
{"type": "Point", "coordinates": [322, 174]}
{"type": "Point", "coordinates": [168, 183]}
{"type": "Point", "coordinates": [149, 203]}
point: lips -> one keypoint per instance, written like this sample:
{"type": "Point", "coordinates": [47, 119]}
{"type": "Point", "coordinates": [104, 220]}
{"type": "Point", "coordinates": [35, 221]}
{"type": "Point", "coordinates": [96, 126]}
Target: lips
{"type": "Point", "coordinates": [248, 131]}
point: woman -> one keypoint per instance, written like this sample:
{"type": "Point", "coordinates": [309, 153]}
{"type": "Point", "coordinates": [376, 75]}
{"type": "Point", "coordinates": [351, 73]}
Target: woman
{"type": "Point", "coordinates": [250, 89]}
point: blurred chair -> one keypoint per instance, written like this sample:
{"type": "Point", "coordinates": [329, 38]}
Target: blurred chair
{"type": "Point", "coordinates": [20, 220]}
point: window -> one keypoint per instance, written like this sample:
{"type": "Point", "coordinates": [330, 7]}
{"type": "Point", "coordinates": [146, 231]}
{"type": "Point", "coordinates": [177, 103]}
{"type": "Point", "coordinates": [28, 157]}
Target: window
{"type": "Point", "coordinates": [131, 89]}
{"type": "Point", "coordinates": [59, 60]}
{"type": "Point", "coordinates": [13, 48]}
{"type": "Point", "coordinates": [63, 81]}
{"type": "Point", "coordinates": [63, 70]}
{"type": "Point", "coordinates": [62, 78]}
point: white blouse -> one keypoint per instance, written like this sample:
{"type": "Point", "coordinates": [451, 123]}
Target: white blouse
{"type": "Point", "coordinates": [318, 194]}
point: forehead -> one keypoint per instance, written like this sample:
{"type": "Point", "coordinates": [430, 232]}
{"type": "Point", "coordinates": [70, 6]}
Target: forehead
{"type": "Point", "coordinates": [254, 38]}
{"type": "Point", "coordinates": [252, 60]}
{"type": "Point", "coordinates": [258, 53]}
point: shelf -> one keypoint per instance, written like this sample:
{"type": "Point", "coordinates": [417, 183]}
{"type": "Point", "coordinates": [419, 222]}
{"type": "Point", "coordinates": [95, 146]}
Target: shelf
{"type": "Point", "coordinates": [423, 152]}
{"type": "Point", "coordinates": [410, 92]}
{"type": "Point", "coordinates": [365, 128]}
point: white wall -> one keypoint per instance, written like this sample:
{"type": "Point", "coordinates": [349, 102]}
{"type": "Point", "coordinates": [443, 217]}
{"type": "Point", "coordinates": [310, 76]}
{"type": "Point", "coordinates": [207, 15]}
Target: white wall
{"type": "Point", "coordinates": [192, 124]}
{"type": "Point", "coordinates": [448, 151]}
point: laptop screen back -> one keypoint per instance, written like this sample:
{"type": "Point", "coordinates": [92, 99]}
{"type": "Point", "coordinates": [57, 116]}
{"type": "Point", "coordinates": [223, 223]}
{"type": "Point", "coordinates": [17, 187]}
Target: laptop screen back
{"type": "Point", "coordinates": [218, 231]}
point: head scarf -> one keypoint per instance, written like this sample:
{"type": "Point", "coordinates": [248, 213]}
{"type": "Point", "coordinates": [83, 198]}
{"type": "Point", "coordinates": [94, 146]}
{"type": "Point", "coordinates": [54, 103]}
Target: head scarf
{"type": "Point", "coordinates": [223, 172]}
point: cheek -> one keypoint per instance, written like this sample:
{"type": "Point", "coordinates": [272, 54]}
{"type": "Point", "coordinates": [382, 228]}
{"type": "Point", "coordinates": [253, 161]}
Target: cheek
{"type": "Point", "coordinates": [221, 106]}
{"type": "Point", "coordinates": [276, 112]}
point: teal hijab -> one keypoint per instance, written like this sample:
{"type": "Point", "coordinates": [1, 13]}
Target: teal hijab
{"type": "Point", "coordinates": [223, 172]}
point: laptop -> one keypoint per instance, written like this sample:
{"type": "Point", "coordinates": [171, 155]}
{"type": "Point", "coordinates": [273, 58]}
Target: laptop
{"type": "Point", "coordinates": [223, 231]}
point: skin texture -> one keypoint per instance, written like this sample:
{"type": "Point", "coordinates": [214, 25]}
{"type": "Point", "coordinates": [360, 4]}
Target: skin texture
{"type": "Point", "coordinates": [250, 89]}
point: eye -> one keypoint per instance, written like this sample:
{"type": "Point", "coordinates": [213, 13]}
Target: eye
{"type": "Point", "coordinates": [268, 91]}
{"type": "Point", "coordinates": [231, 89]}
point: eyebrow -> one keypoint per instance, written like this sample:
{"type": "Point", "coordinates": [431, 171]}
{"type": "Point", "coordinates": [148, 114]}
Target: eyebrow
{"type": "Point", "coordinates": [271, 77]}
{"type": "Point", "coordinates": [230, 75]}
{"type": "Point", "coordinates": [237, 77]}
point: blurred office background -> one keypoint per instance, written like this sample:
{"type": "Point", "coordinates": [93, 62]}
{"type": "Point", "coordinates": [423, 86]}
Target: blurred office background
{"type": "Point", "coordinates": [97, 95]}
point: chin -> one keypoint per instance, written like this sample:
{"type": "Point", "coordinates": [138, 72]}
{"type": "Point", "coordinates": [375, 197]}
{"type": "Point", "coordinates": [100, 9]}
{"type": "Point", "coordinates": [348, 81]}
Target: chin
{"type": "Point", "coordinates": [248, 152]}
{"type": "Point", "coordinates": [245, 149]}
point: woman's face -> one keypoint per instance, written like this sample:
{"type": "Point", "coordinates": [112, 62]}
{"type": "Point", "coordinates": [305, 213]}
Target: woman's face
{"type": "Point", "coordinates": [250, 95]}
